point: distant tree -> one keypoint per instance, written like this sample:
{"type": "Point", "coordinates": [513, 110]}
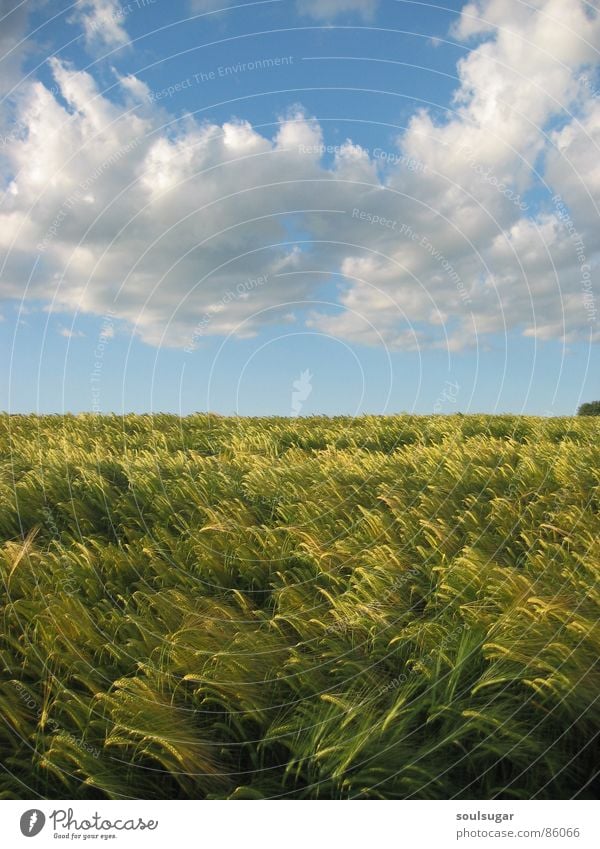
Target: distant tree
{"type": "Point", "coordinates": [592, 408]}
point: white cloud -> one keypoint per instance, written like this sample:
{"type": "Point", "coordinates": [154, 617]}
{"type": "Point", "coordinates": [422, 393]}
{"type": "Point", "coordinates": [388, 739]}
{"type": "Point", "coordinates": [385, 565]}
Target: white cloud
{"type": "Point", "coordinates": [189, 229]}
{"type": "Point", "coordinates": [102, 21]}
{"type": "Point", "coordinates": [573, 166]}
{"type": "Point", "coordinates": [518, 271]}
{"type": "Point", "coordinates": [116, 208]}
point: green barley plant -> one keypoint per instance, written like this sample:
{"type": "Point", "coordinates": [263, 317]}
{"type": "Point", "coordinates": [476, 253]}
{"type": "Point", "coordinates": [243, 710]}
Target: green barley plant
{"type": "Point", "coordinates": [319, 608]}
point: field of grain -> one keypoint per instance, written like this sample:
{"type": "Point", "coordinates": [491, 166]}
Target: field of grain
{"type": "Point", "coordinates": [378, 607]}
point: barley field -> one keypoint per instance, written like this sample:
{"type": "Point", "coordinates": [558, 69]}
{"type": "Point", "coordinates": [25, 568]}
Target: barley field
{"type": "Point", "coordinates": [375, 607]}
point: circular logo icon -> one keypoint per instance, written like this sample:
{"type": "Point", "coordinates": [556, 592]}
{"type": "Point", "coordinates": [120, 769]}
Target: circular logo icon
{"type": "Point", "coordinates": [32, 822]}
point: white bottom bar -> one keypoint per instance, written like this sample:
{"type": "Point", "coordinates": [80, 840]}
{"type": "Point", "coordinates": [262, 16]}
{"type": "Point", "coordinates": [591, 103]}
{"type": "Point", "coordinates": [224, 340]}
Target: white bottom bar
{"type": "Point", "coordinates": [290, 824]}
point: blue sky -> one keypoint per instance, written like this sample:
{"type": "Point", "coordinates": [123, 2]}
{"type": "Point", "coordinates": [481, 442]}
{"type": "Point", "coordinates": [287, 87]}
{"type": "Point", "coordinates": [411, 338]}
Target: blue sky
{"type": "Point", "coordinates": [343, 206]}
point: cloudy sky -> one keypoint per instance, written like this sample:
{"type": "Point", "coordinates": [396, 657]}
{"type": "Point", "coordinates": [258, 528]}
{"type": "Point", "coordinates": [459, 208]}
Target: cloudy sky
{"type": "Point", "coordinates": [299, 206]}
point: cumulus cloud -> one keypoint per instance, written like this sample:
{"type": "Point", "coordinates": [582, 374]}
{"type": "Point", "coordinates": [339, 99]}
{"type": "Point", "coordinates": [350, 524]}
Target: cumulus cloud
{"type": "Point", "coordinates": [102, 21]}
{"type": "Point", "coordinates": [157, 226]}
{"type": "Point", "coordinates": [473, 246]}
{"type": "Point", "coordinates": [189, 230]}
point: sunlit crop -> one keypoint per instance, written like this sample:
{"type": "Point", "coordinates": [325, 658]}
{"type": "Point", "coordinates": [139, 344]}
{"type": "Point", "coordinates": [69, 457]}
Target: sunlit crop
{"type": "Point", "coordinates": [379, 607]}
